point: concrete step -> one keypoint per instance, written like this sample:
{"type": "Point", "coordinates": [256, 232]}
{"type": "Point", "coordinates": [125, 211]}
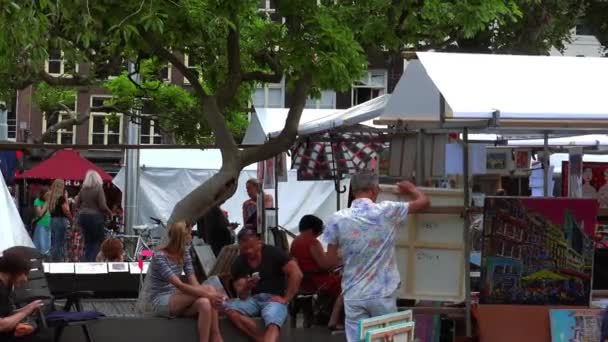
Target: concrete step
{"type": "Point", "coordinates": [183, 330]}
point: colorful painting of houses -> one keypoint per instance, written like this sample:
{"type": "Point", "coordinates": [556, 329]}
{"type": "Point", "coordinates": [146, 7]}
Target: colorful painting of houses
{"type": "Point", "coordinates": [537, 250]}
{"type": "Point", "coordinates": [576, 325]}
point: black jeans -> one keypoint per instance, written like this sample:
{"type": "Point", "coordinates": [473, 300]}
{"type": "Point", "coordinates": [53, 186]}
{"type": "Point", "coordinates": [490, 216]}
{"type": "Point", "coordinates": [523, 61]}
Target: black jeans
{"type": "Point", "coordinates": [92, 226]}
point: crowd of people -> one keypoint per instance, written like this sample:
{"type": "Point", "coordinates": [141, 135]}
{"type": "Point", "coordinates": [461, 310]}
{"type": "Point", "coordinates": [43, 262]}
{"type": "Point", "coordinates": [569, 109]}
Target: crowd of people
{"type": "Point", "coordinates": [86, 214]}
{"type": "Point", "coordinates": [264, 279]}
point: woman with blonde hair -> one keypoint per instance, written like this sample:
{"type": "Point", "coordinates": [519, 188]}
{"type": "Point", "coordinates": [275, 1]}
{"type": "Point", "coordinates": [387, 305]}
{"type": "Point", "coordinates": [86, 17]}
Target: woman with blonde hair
{"type": "Point", "coordinates": [172, 297]}
{"type": "Point", "coordinates": [61, 216]}
{"type": "Point", "coordinates": [92, 210]}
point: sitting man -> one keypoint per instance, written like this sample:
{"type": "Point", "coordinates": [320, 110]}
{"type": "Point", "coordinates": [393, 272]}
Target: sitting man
{"type": "Point", "coordinates": [265, 280]}
{"type": "Point", "coordinates": [14, 269]}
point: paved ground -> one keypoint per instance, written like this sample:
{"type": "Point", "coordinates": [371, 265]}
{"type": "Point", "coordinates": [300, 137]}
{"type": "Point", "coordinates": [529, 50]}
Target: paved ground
{"type": "Point", "coordinates": [123, 325]}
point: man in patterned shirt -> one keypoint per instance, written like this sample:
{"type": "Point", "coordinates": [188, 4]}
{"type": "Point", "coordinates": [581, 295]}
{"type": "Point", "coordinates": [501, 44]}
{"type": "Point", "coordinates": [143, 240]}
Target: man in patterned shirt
{"type": "Point", "coordinates": [365, 234]}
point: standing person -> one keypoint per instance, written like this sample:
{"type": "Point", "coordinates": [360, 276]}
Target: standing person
{"type": "Point", "coordinates": [170, 296]}
{"type": "Point", "coordinates": [61, 217]}
{"type": "Point", "coordinates": [92, 209]}
{"type": "Point", "coordinates": [365, 234]}
{"type": "Point", "coordinates": [42, 222]}
{"type": "Point", "coordinates": [14, 269]}
{"type": "Point", "coordinates": [215, 229]}
{"type": "Point", "coordinates": [265, 279]}
{"type": "Point", "coordinates": [250, 206]}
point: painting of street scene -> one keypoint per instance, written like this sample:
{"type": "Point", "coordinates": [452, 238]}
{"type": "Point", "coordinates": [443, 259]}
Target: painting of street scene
{"type": "Point", "coordinates": [537, 250]}
{"type": "Point", "coordinates": [576, 325]}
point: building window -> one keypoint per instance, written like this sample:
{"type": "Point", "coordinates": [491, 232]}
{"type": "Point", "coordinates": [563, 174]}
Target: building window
{"type": "Point", "coordinates": [165, 73]}
{"type": "Point", "coordinates": [62, 136]}
{"type": "Point", "coordinates": [150, 130]}
{"type": "Point", "coordinates": [12, 125]}
{"type": "Point", "coordinates": [268, 8]}
{"type": "Point", "coordinates": [56, 65]}
{"type": "Point", "coordinates": [372, 85]}
{"type": "Point", "coordinates": [104, 130]}
{"type": "Point", "coordinates": [192, 63]}
{"type": "Point", "coordinates": [270, 95]}
{"type": "Point", "coordinates": [327, 101]}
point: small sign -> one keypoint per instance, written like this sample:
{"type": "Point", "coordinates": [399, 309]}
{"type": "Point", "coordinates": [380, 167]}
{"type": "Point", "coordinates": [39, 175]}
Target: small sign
{"type": "Point", "coordinates": [91, 268]}
{"type": "Point", "coordinates": [61, 268]}
{"type": "Point", "coordinates": [134, 268]}
{"type": "Point", "coordinates": [118, 267]}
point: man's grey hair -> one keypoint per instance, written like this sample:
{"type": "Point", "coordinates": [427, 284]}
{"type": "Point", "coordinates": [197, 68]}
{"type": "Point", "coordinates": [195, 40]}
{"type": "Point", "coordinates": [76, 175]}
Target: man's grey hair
{"type": "Point", "coordinates": [364, 181]}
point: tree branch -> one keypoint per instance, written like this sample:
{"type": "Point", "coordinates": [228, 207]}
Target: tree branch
{"type": "Point", "coordinates": [289, 132]}
{"type": "Point", "coordinates": [229, 89]}
{"type": "Point", "coordinates": [275, 77]}
{"type": "Point", "coordinates": [212, 112]}
{"type": "Point", "coordinates": [74, 120]}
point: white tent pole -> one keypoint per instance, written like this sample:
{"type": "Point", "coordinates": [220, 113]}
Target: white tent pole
{"type": "Point", "coordinates": [546, 166]}
{"type": "Point", "coordinates": [132, 168]}
{"type": "Point", "coordinates": [465, 232]}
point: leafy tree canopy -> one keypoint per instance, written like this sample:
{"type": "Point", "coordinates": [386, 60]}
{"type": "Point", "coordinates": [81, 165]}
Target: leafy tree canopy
{"type": "Point", "coordinates": [231, 47]}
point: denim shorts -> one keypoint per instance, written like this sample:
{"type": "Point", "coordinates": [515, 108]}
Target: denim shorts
{"type": "Point", "coordinates": [160, 305]}
{"type": "Point", "coordinates": [272, 313]}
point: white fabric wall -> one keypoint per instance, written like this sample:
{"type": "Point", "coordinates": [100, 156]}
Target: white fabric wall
{"type": "Point", "coordinates": [12, 229]}
{"type": "Point", "coordinates": [162, 188]}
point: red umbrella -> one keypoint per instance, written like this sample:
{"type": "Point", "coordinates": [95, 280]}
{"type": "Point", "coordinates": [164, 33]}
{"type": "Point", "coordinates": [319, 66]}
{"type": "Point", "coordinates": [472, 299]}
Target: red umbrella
{"type": "Point", "coordinates": [64, 164]}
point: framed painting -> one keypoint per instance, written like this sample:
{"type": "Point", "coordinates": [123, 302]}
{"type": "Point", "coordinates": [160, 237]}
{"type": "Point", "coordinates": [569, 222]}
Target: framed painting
{"type": "Point", "coordinates": [369, 324]}
{"type": "Point", "coordinates": [582, 325]}
{"type": "Point", "coordinates": [593, 181]}
{"type": "Point", "coordinates": [537, 251]}
{"type": "Point", "coordinates": [396, 333]}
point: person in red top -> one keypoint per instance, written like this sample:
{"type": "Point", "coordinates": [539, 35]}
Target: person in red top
{"type": "Point", "coordinates": [317, 268]}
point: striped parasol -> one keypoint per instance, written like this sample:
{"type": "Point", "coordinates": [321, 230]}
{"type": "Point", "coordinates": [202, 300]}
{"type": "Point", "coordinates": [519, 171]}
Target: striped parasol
{"type": "Point", "coordinates": [331, 155]}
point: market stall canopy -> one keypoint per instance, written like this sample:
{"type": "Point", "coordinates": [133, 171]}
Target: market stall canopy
{"type": "Point", "coordinates": [64, 164]}
{"type": "Point", "coordinates": [359, 114]}
{"type": "Point", "coordinates": [166, 176]}
{"type": "Point", "coordinates": [559, 91]}
{"type": "Point", "coordinates": [268, 120]}
{"type": "Point", "coordinates": [210, 159]}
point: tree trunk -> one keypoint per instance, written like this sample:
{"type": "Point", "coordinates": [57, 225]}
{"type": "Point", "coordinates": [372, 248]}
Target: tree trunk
{"type": "Point", "coordinates": [217, 189]}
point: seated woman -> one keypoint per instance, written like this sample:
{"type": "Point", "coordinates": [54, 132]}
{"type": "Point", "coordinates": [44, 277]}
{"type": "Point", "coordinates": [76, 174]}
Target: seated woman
{"type": "Point", "coordinates": [317, 266]}
{"type": "Point", "coordinates": [14, 269]}
{"type": "Point", "coordinates": [173, 297]}
{"type": "Point", "coordinates": [112, 250]}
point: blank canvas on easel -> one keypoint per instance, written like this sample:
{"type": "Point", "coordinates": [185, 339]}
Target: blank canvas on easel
{"type": "Point", "coordinates": [430, 248]}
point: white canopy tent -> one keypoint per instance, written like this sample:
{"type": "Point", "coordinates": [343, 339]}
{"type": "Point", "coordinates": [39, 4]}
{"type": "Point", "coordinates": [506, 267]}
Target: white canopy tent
{"type": "Point", "coordinates": [363, 113]}
{"type": "Point", "coordinates": [12, 229]}
{"type": "Point", "coordinates": [268, 120]}
{"type": "Point", "coordinates": [499, 94]}
{"type": "Point", "coordinates": [527, 92]}
{"type": "Point", "coordinates": [166, 176]}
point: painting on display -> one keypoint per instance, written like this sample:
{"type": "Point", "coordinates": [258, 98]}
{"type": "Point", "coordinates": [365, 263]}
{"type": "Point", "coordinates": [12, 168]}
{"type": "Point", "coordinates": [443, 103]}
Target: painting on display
{"type": "Point", "coordinates": [537, 250]}
{"type": "Point", "coordinates": [522, 159]}
{"type": "Point", "coordinates": [594, 181]}
{"type": "Point", "coordinates": [497, 160]}
{"type": "Point", "coordinates": [581, 325]}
